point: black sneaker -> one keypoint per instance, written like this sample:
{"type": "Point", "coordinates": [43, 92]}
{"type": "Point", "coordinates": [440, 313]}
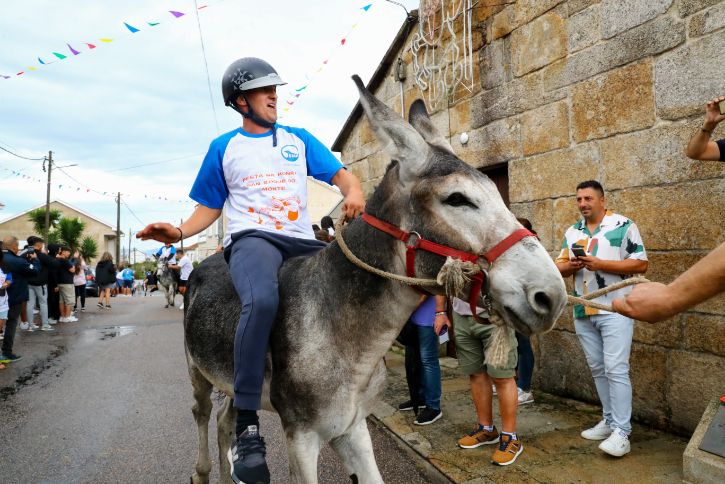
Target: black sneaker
{"type": "Point", "coordinates": [13, 357]}
{"type": "Point", "coordinates": [409, 405]}
{"type": "Point", "coordinates": [246, 458]}
{"type": "Point", "coordinates": [427, 416]}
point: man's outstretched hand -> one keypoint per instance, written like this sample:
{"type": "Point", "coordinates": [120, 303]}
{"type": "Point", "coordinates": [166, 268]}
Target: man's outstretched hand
{"type": "Point", "coordinates": [160, 231]}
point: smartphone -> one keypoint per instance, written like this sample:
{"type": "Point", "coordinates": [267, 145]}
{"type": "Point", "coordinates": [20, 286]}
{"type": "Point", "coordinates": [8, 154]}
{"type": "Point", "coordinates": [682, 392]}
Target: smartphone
{"type": "Point", "coordinates": [721, 105]}
{"type": "Point", "coordinates": [578, 251]}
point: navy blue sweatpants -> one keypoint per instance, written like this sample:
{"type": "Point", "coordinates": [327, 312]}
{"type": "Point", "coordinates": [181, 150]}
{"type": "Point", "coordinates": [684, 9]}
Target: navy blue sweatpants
{"type": "Point", "coordinates": [254, 259]}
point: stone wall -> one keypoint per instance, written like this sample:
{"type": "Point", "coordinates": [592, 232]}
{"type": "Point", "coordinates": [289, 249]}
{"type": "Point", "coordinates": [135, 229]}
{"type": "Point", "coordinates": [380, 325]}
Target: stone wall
{"type": "Point", "coordinates": [609, 90]}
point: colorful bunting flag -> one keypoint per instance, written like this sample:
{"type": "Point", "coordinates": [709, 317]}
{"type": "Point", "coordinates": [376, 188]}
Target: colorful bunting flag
{"type": "Point", "coordinates": [108, 41]}
{"type": "Point", "coordinates": [131, 28]}
{"type": "Point", "coordinates": [342, 42]}
{"type": "Point", "coordinates": [41, 61]}
{"type": "Point", "coordinates": [73, 51]}
{"type": "Point", "coordinates": [59, 56]}
{"type": "Point", "coordinates": [176, 14]}
{"type": "Point", "coordinates": [90, 46]}
{"type": "Point", "coordinates": [153, 24]}
{"type": "Point", "coordinates": [367, 7]}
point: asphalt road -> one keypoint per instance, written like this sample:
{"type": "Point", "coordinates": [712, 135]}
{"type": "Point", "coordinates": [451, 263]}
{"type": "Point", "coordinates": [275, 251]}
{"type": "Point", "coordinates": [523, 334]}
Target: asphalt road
{"type": "Point", "coordinates": [115, 406]}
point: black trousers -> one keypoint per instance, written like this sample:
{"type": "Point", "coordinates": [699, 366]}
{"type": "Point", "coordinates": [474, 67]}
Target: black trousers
{"type": "Point", "coordinates": [11, 325]}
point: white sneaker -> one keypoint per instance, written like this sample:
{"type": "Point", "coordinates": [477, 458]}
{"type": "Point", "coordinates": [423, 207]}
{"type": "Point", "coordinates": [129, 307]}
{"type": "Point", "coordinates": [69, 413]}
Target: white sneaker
{"type": "Point", "coordinates": [62, 320]}
{"type": "Point", "coordinates": [47, 328]}
{"type": "Point", "coordinates": [24, 326]}
{"type": "Point", "coordinates": [599, 432]}
{"type": "Point", "coordinates": [525, 397]}
{"type": "Point", "coordinates": [52, 321]}
{"type": "Point", "coordinates": [71, 319]}
{"type": "Point", "coordinates": [616, 444]}
{"type": "Point", "coordinates": [181, 307]}
{"type": "Point", "coordinates": [33, 327]}
{"type": "Point", "coordinates": [35, 311]}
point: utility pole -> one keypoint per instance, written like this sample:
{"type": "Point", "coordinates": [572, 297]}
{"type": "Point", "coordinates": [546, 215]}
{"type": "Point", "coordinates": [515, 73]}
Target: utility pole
{"type": "Point", "coordinates": [118, 228]}
{"type": "Point", "coordinates": [129, 245]}
{"type": "Point", "coordinates": [47, 198]}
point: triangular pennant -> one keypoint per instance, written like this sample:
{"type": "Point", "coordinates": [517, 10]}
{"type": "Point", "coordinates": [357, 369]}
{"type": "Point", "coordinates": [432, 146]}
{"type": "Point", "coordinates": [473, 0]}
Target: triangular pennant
{"type": "Point", "coordinates": [73, 51]}
{"type": "Point", "coordinates": [20, 73]}
{"type": "Point", "coordinates": [106, 40]}
{"type": "Point", "coordinates": [342, 42]}
{"type": "Point", "coordinates": [90, 46]}
{"type": "Point", "coordinates": [203, 6]}
{"type": "Point", "coordinates": [367, 7]}
{"type": "Point", "coordinates": [32, 68]}
{"type": "Point", "coordinates": [41, 61]}
{"type": "Point", "coordinates": [131, 28]}
{"type": "Point", "coordinates": [4, 76]}
{"type": "Point", "coordinates": [354, 26]}
{"type": "Point", "coordinates": [324, 61]}
{"type": "Point", "coordinates": [59, 56]}
{"type": "Point", "coordinates": [176, 14]}
{"type": "Point", "coordinates": [153, 24]}
{"type": "Point", "coordinates": [301, 89]}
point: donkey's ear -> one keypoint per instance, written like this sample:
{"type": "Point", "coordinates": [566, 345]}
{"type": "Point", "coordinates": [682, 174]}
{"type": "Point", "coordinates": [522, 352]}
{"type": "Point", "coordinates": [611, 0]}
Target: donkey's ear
{"type": "Point", "coordinates": [398, 138]}
{"type": "Point", "coordinates": [419, 119]}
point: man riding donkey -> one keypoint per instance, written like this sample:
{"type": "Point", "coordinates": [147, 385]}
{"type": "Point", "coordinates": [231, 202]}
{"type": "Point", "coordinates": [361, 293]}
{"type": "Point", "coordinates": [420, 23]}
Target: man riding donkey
{"type": "Point", "coordinates": [251, 168]}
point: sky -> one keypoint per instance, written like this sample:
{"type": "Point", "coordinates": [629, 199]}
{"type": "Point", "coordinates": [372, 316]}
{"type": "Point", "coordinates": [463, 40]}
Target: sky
{"type": "Point", "coordinates": [136, 115]}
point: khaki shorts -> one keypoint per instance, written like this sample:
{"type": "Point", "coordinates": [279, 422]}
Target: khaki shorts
{"type": "Point", "coordinates": [67, 293]}
{"type": "Point", "coordinates": [471, 341]}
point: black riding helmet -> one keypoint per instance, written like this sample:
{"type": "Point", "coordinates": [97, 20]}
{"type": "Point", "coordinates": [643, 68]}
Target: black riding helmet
{"type": "Point", "coordinates": [243, 75]}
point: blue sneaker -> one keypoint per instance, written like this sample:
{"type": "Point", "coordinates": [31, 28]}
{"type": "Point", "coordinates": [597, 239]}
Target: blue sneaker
{"type": "Point", "coordinates": [247, 458]}
{"type": "Point", "coordinates": [12, 357]}
{"type": "Point", "coordinates": [4, 359]}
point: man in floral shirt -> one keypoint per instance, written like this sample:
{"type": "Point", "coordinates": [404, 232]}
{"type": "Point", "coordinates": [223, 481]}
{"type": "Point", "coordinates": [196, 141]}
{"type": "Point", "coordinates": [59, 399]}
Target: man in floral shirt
{"type": "Point", "coordinates": [601, 249]}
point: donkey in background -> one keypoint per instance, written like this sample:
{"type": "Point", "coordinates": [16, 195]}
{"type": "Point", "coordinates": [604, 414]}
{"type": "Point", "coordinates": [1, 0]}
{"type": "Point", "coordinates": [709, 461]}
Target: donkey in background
{"type": "Point", "coordinates": [166, 280]}
{"type": "Point", "coordinates": [325, 368]}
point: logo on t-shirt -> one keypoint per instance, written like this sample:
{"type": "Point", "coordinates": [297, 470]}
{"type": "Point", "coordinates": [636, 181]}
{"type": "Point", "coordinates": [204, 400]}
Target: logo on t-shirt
{"type": "Point", "coordinates": [290, 152]}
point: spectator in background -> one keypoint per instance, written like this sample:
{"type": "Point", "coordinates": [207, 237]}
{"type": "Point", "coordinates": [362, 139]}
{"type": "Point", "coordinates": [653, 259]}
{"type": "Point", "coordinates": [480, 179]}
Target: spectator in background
{"type": "Point", "coordinates": [5, 281]}
{"type": "Point", "coordinates": [65, 286]}
{"type": "Point", "coordinates": [106, 280]}
{"type": "Point", "coordinates": [119, 280]}
{"type": "Point", "coordinates": [525, 367]}
{"type": "Point", "coordinates": [127, 276]}
{"type": "Point", "coordinates": [21, 268]}
{"type": "Point", "coordinates": [150, 283]}
{"type": "Point", "coordinates": [422, 369]}
{"type": "Point", "coordinates": [79, 281]}
{"type": "Point", "coordinates": [472, 338]}
{"type": "Point", "coordinates": [38, 285]}
{"type": "Point", "coordinates": [53, 294]}
{"type": "Point", "coordinates": [701, 147]}
{"type": "Point", "coordinates": [184, 267]}
{"type": "Point", "coordinates": [599, 250]}
{"type": "Point", "coordinates": [328, 225]}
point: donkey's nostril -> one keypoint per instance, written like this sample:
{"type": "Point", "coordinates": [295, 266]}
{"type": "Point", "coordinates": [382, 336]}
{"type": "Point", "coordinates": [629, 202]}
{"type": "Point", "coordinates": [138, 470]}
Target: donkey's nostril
{"type": "Point", "coordinates": [543, 302]}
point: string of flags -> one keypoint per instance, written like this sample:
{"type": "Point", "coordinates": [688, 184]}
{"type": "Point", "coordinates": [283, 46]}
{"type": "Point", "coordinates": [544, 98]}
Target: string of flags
{"type": "Point", "coordinates": [60, 55]}
{"type": "Point", "coordinates": [80, 188]}
{"type": "Point", "coordinates": [295, 93]}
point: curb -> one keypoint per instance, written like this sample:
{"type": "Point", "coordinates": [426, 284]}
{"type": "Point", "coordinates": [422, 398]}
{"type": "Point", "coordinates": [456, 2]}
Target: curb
{"type": "Point", "coordinates": [429, 471]}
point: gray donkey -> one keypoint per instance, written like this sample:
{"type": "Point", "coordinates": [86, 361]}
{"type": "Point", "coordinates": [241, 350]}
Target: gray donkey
{"type": "Point", "coordinates": [167, 281]}
{"type": "Point", "coordinates": [336, 321]}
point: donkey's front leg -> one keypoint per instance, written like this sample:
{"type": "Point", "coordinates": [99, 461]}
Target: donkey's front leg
{"type": "Point", "coordinates": [355, 448]}
{"type": "Point", "coordinates": [303, 447]}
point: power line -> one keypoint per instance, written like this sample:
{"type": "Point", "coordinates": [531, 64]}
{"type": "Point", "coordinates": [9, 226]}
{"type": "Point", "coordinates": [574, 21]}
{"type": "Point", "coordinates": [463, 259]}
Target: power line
{"type": "Point", "coordinates": [154, 162]}
{"type": "Point", "coordinates": [20, 156]}
{"type": "Point", "coordinates": [206, 66]}
{"type": "Point", "coordinates": [132, 213]}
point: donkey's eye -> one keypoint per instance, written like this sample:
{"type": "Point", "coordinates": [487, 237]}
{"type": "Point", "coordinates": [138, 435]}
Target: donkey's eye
{"type": "Point", "coordinates": [458, 199]}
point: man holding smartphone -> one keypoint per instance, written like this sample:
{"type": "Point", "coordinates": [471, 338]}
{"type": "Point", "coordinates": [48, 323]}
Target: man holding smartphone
{"type": "Point", "coordinates": [601, 249]}
{"type": "Point", "coordinates": [701, 147]}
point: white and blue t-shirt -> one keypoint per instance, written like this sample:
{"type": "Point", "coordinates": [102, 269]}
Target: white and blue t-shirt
{"type": "Point", "coordinates": [264, 186]}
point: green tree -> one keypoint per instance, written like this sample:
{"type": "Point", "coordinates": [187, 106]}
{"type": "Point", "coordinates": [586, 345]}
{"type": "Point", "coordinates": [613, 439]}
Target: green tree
{"type": "Point", "coordinates": [88, 248]}
{"type": "Point", "coordinates": [70, 231]}
{"type": "Point", "coordinates": [37, 217]}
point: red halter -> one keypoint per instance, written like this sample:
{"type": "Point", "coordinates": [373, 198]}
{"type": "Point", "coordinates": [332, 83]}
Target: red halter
{"type": "Point", "coordinates": [419, 242]}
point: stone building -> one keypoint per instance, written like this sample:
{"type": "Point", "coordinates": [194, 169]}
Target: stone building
{"type": "Point", "coordinates": [557, 92]}
{"type": "Point", "coordinates": [104, 233]}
